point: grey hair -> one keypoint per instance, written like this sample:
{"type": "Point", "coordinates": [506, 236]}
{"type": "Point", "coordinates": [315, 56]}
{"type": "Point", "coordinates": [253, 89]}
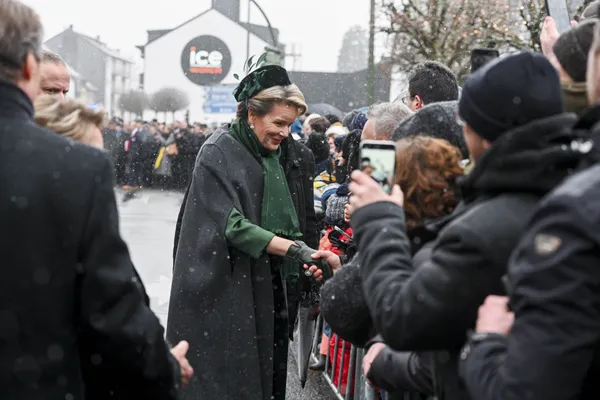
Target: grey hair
{"type": "Point", "coordinates": [21, 33]}
{"type": "Point", "coordinates": [386, 116]}
{"type": "Point", "coordinates": [48, 56]}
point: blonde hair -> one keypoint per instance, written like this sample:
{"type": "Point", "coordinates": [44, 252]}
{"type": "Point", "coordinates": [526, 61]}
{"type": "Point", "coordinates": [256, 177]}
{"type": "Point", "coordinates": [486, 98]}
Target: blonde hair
{"type": "Point", "coordinates": [262, 103]}
{"type": "Point", "coordinates": [68, 117]}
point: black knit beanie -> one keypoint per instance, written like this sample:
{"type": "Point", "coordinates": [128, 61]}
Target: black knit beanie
{"type": "Point", "coordinates": [510, 92]}
{"type": "Point", "coordinates": [572, 48]}
{"type": "Point", "coordinates": [437, 120]}
{"type": "Point", "coordinates": [344, 307]}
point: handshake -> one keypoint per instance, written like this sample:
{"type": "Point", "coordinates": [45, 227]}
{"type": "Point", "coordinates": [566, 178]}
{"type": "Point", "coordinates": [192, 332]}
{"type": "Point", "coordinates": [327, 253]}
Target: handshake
{"type": "Point", "coordinates": [318, 264]}
{"type": "Point", "coordinates": [314, 263]}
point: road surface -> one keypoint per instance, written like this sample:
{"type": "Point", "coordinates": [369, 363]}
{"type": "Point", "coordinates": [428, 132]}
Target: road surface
{"type": "Point", "coordinates": [148, 227]}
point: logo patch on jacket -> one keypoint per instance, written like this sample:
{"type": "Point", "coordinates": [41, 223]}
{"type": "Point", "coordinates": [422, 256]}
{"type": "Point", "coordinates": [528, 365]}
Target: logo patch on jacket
{"type": "Point", "coordinates": [546, 244]}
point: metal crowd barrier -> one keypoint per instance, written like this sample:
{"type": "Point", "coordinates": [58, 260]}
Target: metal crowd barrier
{"type": "Point", "coordinates": [357, 387]}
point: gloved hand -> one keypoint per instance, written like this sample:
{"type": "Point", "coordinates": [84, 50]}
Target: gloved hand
{"type": "Point", "coordinates": [300, 252]}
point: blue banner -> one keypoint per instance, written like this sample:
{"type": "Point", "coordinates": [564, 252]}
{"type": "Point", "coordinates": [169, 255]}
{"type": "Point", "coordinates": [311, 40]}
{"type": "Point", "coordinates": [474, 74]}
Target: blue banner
{"type": "Point", "coordinates": [219, 99]}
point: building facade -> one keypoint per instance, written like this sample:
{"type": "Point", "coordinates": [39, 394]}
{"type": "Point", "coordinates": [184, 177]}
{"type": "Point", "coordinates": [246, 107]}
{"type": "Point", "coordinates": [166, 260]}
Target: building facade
{"type": "Point", "coordinates": [79, 88]}
{"type": "Point", "coordinates": [105, 69]}
{"type": "Point", "coordinates": [200, 58]}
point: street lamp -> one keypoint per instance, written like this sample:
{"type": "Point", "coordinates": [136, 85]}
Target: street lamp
{"type": "Point", "coordinates": [371, 79]}
{"type": "Point", "coordinates": [271, 30]}
{"type": "Point", "coordinates": [273, 37]}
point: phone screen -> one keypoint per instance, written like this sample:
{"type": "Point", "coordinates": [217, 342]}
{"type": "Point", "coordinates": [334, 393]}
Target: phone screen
{"type": "Point", "coordinates": [379, 161]}
{"type": "Point", "coordinates": [480, 57]}
{"type": "Point", "coordinates": [559, 10]}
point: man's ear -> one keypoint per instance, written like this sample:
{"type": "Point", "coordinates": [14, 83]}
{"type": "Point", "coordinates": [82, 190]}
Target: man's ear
{"type": "Point", "coordinates": [593, 77]}
{"type": "Point", "coordinates": [418, 102]}
{"type": "Point", "coordinates": [30, 69]}
{"type": "Point", "coordinates": [486, 144]}
{"type": "Point", "coordinates": [593, 69]}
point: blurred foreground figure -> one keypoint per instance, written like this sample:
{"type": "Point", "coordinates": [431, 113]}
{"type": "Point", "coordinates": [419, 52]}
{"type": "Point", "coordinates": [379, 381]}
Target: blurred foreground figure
{"type": "Point", "coordinates": [69, 296]}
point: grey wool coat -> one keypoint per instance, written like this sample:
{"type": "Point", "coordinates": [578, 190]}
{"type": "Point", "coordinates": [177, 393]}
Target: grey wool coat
{"type": "Point", "coordinates": [231, 308]}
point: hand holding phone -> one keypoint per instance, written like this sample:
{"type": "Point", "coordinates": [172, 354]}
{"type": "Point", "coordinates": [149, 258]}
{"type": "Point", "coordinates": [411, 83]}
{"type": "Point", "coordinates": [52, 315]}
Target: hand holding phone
{"type": "Point", "coordinates": [378, 160]}
{"type": "Point", "coordinates": [367, 190]}
{"type": "Point", "coordinates": [559, 11]}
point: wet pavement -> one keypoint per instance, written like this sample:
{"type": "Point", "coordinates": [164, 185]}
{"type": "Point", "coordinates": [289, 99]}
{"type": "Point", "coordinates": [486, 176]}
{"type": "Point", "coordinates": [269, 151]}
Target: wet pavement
{"type": "Point", "coordinates": [148, 226]}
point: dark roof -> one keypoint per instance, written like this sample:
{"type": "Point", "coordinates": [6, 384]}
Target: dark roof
{"type": "Point", "coordinates": [94, 41]}
{"type": "Point", "coordinates": [260, 31]}
{"type": "Point", "coordinates": [156, 33]}
{"type": "Point", "coordinates": [346, 91]}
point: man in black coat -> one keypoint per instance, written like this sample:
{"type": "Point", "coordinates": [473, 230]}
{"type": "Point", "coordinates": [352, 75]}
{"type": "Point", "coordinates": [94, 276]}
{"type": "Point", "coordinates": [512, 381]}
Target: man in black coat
{"type": "Point", "coordinates": [522, 146]}
{"type": "Point", "coordinates": [68, 282]}
{"type": "Point", "coordinates": [114, 142]}
{"type": "Point", "coordinates": [551, 351]}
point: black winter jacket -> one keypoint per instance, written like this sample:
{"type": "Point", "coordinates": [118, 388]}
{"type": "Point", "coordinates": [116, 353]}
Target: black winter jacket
{"type": "Point", "coordinates": [72, 311]}
{"type": "Point", "coordinates": [553, 348]}
{"type": "Point", "coordinates": [433, 306]}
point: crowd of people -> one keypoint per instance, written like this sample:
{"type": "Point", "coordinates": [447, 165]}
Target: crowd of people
{"type": "Point", "coordinates": [153, 154]}
{"type": "Point", "coordinates": [477, 280]}
{"type": "Point", "coordinates": [474, 278]}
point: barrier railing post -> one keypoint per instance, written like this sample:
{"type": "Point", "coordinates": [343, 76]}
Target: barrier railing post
{"type": "Point", "coordinates": [352, 371]}
{"type": "Point", "coordinates": [341, 366]}
{"type": "Point", "coordinates": [370, 393]}
{"type": "Point", "coordinates": [334, 362]}
{"type": "Point", "coordinates": [357, 387]}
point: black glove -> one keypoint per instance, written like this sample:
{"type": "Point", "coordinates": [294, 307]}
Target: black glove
{"type": "Point", "coordinates": [300, 252]}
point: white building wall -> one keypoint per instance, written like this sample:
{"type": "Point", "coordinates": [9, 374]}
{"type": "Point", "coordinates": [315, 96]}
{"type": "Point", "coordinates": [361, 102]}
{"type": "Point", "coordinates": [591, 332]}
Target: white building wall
{"type": "Point", "coordinates": [162, 63]}
{"type": "Point", "coordinates": [399, 85]}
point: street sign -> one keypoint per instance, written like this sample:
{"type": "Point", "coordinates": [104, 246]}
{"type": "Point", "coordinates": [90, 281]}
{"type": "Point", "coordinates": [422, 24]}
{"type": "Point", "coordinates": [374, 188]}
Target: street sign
{"type": "Point", "coordinates": [219, 99]}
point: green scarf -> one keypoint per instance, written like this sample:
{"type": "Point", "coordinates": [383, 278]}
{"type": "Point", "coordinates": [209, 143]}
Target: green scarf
{"type": "Point", "coordinates": [278, 214]}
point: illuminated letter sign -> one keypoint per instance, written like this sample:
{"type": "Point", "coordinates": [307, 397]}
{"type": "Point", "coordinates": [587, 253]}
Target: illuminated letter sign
{"type": "Point", "coordinates": [206, 60]}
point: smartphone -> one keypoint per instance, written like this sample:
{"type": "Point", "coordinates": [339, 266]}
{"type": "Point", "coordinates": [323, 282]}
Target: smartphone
{"type": "Point", "coordinates": [378, 159]}
{"type": "Point", "coordinates": [341, 232]}
{"type": "Point", "coordinates": [480, 57]}
{"type": "Point", "coordinates": [559, 10]}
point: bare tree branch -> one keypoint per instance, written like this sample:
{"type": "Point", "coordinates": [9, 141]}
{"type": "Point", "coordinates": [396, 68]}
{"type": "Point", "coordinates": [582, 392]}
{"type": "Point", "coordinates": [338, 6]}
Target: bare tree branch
{"type": "Point", "coordinates": [447, 30]}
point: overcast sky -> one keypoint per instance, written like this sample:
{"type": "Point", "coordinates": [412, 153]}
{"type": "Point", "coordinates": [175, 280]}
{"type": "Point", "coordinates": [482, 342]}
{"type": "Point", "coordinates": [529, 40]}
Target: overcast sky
{"type": "Point", "coordinates": [315, 26]}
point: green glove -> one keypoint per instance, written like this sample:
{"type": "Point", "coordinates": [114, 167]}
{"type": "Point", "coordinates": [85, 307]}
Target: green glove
{"type": "Point", "coordinates": [300, 252]}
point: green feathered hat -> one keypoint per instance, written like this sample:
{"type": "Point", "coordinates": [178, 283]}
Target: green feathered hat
{"type": "Point", "coordinates": [259, 80]}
